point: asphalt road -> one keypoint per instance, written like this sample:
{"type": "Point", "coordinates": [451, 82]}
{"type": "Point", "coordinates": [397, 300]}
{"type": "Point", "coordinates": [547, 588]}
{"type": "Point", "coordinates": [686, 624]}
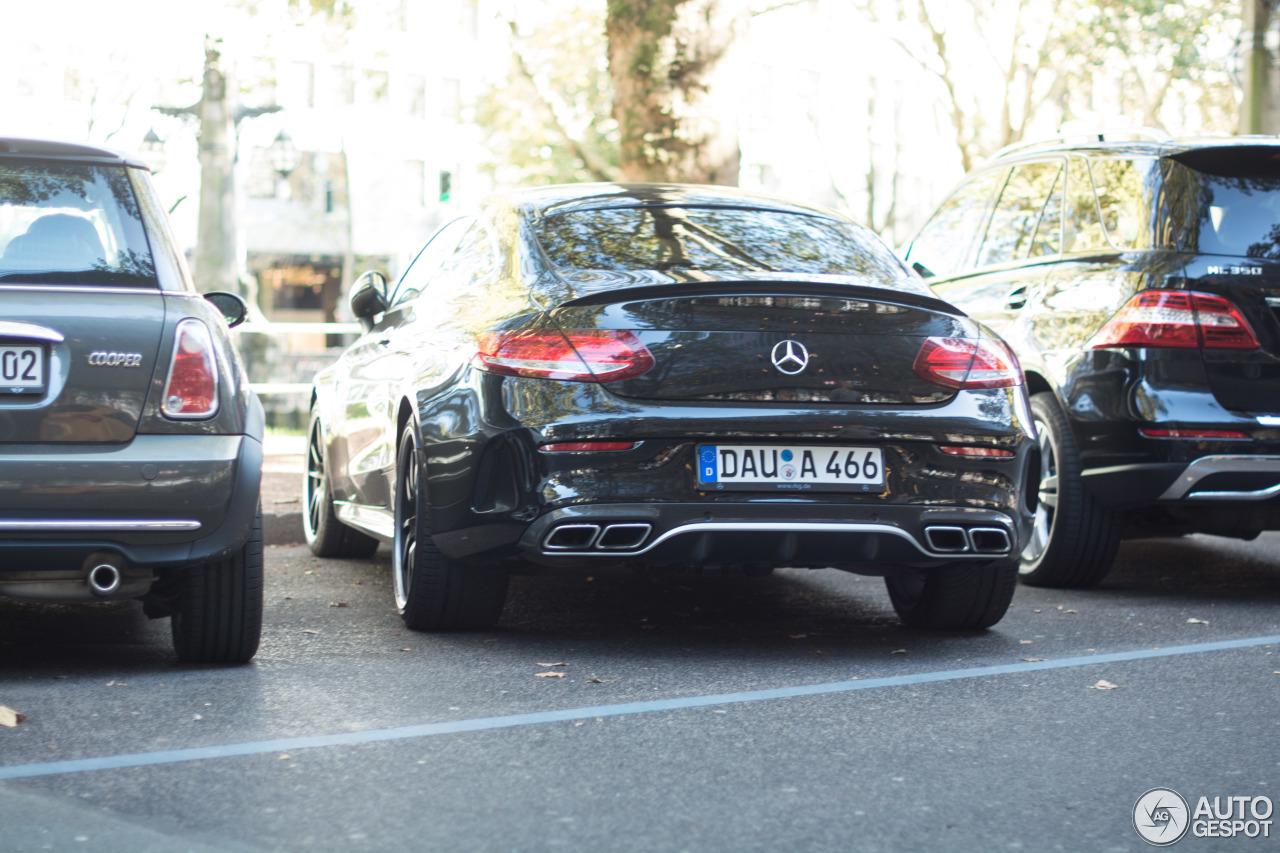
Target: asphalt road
{"type": "Point", "coordinates": [790, 713]}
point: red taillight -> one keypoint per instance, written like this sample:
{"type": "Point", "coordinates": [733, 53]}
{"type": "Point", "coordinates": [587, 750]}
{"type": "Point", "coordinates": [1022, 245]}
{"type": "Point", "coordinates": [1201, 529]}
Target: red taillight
{"type": "Point", "coordinates": [578, 355]}
{"type": "Point", "coordinates": [191, 389]}
{"type": "Point", "coordinates": [965, 450]}
{"type": "Point", "coordinates": [586, 446]}
{"type": "Point", "coordinates": [967, 363]}
{"type": "Point", "coordinates": [1176, 318]}
{"type": "Point", "coordinates": [1193, 433]}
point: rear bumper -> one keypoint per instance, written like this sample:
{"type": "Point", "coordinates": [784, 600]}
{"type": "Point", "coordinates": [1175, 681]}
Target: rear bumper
{"type": "Point", "coordinates": [159, 502]}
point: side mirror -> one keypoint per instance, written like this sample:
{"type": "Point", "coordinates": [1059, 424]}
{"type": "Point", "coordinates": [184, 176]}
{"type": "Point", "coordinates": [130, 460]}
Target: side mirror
{"type": "Point", "coordinates": [368, 297]}
{"type": "Point", "coordinates": [231, 305]}
{"type": "Point", "coordinates": [920, 268]}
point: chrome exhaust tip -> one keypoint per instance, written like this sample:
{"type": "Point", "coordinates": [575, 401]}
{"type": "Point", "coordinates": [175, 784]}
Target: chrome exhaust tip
{"type": "Point", "coordinates": [989, 540]}
{"type": "Point", "coordinates": [623, 537]}
{"type": "Point", "coordinates": [948, 540]}
{"type": "Point", "coordinates": [572, 537]}
{"type": "Point", "coordinates": [103, 579]}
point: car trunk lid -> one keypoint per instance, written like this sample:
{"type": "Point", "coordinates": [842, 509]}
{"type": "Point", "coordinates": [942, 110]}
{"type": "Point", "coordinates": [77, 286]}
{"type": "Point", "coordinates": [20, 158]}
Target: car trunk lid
{"type": "Point", "coordinates": [76, 365]}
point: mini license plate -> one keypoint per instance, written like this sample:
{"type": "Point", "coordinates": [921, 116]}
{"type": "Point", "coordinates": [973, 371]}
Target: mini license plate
{"type": "Point", "coordinates": [790, 467]}
{"type": "Point", "coordinates": [21, 369]}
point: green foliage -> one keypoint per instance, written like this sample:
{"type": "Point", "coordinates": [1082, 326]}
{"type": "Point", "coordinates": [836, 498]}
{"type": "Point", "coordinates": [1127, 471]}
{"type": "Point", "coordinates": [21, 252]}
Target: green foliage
{"type": "Point", "coordinates": [550, 116]}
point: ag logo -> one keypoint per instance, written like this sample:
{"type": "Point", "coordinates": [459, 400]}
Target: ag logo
{"type": "Point", "coordinates": [1161, 816]}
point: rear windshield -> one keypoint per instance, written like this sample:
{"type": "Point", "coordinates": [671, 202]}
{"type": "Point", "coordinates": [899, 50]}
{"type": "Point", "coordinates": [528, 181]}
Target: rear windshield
{"type": "Point", "coordinates": [70, 223]}
{"type": "Point", "coordinates": [1225, 202]}
{"type": "Point", "coordinates": [713, 239]}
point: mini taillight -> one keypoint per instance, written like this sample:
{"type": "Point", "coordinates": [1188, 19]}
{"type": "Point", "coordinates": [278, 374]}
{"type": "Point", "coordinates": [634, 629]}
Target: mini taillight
{"type": "Point", "coordinates": [1176, 318]}
{"type": "Point", "coordinates": [191, 388]}
{"type": "Point", "coordinates": [578, 355]}
{"type": "Point", "coordinates": [586, 446]}
{"type": "Point", "coordinates": [967, 363]}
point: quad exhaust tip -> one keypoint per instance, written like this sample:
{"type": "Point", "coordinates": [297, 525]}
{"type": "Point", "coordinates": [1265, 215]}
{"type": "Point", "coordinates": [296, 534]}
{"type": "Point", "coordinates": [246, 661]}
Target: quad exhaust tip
{"type": "Point", "coordinates": [958, 540]}
{"type": "Point", "coordinates": [597, 537]}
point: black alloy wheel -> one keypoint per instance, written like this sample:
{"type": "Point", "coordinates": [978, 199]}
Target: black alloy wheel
{"type": "Point", "coordinates": [326, 536]}
{"type": "Point", "coordinates": [432, 591]}
{"type": "Point", "coordinates": [955, 596]}
{"type": "Point", "coordinates": [1073, 541]}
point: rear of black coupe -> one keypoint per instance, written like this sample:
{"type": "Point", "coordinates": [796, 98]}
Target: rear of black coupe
{"type": "Point", "coordinates": [679, 376]}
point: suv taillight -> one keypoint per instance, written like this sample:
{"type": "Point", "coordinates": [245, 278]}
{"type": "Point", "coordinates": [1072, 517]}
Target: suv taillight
{"type": "Point", "coordinates": [191, 388]}
{"type": "Point", "coordinates": [577, 355]}
{"type": "Point", "coordinates": [1176, 318]}
{"type": "Point", "coordinates": [966, 363]}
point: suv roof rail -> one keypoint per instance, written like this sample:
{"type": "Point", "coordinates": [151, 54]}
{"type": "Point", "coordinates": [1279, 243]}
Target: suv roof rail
{"type": "Point", "coordinates": [1113, 134]}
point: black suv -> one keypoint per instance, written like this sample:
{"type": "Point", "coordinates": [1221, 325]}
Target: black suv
{"type": "Point", "coordinates": [1139, 283]}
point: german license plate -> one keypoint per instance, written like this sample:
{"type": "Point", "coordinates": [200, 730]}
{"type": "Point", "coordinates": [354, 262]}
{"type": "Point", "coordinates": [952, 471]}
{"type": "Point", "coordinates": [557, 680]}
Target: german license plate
{"type": "Point", "coordinates": [790, 467]}
{"type": "Point", "coordinates": [21, 369]}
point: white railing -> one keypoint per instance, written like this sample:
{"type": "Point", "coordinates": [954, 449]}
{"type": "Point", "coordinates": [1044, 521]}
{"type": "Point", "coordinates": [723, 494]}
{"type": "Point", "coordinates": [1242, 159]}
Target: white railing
{"type": "Point", "coordinates": [273, 328]}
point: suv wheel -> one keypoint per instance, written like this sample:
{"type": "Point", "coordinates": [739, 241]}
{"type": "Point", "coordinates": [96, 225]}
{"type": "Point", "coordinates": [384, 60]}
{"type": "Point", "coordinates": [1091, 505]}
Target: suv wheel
{"type": "Point", "coordinates": [434, 592]}
{"type": "Point", "coordinates": [326, 535]}
{"type": "Point", "coordinates": [955, 596]}
{"type": "Point", "coordinates": [1073, 540]}
{"type": "Point", "coordinates": [217, 614]}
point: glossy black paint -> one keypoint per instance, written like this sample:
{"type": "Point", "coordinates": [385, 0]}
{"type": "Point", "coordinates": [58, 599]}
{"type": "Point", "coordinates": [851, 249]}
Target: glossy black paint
{"type": "Point", "coordinates": [494, 493]}
{"type": "Point", "coordinates": [1049, 308]}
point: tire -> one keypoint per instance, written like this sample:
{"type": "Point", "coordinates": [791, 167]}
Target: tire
{"type": "Point", "coordinates": [432, 591]}
{"type": "Point", "coordinates": [217, 615]}
{"type": "Point", "coordinates": [958, 596]}
{"type": "Point", "coordinates": [326, 536]}
{"type": "Point", "coordinates": [1073, 541]}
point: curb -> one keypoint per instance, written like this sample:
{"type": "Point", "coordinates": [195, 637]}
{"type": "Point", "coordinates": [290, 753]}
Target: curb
{"type": "Point", "coordinates": [282, 528]}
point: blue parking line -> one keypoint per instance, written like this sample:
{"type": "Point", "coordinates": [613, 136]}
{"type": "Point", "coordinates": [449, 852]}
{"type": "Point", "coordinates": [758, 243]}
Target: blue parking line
{"type": "Point", "coordinates": [176, 756]}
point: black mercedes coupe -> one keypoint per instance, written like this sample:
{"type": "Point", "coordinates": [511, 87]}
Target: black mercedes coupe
{"type": "Point", "coordinates": [670, 376]}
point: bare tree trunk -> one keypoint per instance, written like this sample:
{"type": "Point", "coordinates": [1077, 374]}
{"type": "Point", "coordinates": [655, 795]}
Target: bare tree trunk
{"type": "Point", "coordinates": [216, 256]}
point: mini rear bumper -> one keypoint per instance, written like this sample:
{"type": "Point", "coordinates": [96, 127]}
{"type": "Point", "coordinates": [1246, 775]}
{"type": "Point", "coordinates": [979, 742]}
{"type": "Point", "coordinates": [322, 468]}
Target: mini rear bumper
{"type": "Point", "coordinates": [160, 501]}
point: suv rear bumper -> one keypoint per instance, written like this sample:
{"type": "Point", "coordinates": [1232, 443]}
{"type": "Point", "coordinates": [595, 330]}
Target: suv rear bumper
{"type": "Point", "coordinates": [1257, 479]}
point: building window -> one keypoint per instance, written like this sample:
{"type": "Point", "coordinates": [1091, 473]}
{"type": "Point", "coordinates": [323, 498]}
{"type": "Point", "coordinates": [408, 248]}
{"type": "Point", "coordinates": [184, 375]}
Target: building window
{"type": "Point", "coordinates": [417, 96]}
{"type": "Point", "coordinates": [451, 98]}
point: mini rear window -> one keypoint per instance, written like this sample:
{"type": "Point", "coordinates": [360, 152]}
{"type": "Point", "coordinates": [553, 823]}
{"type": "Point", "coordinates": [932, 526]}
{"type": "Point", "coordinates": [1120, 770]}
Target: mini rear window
{"type": "Point", "coordinates": [71, 223]}
{"type": "Point", "coordinates": [713, 239]}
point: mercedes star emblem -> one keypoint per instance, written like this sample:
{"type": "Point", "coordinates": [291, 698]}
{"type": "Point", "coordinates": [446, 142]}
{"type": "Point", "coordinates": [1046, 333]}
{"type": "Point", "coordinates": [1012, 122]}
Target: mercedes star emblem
{"type": "Point", "coordinates": [790, 357]}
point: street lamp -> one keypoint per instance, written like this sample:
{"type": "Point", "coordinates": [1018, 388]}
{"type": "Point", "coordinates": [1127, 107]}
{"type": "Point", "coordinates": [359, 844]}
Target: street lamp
{"type": "Point", "coordinates": [152, 150]}
{"type": "Point", "coordinates": [284, 155]}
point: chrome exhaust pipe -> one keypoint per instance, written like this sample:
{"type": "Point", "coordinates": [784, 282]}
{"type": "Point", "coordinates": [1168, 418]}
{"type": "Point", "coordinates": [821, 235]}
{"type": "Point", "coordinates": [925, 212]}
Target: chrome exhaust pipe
{"type": "Point", "coordinates": [623, 537]}
{"type": "Point", "coordinates": [572, 537]}
{"type": "Point", "coordinates": [989, 540]}
{"type": "Point", "coordinates": [950, 540]}
{"type": "Point", "coordinates": [103, 579]}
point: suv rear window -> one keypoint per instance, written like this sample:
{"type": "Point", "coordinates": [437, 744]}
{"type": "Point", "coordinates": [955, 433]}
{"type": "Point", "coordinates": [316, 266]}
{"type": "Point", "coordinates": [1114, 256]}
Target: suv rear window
{"type": "Point", "coordinates": [1225, 201]}
{"type": "Point", "coordinates": [71, 223]}
{"type": "Point", "coordinates": [713, 239]}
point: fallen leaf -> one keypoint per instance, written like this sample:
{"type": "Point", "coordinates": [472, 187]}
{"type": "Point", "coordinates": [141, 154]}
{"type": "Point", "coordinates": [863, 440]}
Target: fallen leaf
{"type": "Point", "coordinates": [1024, 642]}
{"type": "Point", "coordinates": [285, 756]}
{"type": "Point", "coordinates": [797, 636]}
{"type": "Point", "coordinates": [1032, 660]}
{"type": "Point", "coordinates": [406, 650]}
{"type": "Point", "coordinates": [492, 640]}
{"type": "Point", "coordinates": [337, 604]}
{"type": "Point", "coordinates": [309, 631]}
{"type": "Point", "coordinates": [548, 675]}
{"type": "Point", "coordinates": [1037, 610]}
{"type": "Point", "coordinates": [561, 663]}
{"type": "Point", "coordinates": [10, 718]}
{"type": "Point", "coordinates": [579, 723]}
{"type": "Point", "coordinates": [898, 652]}
{"type": "Point", "coordinates": [1071, 611]}
{"type": "Point", "coordinates": [595, 680]}
{"type": "Point", "coordinates": [1194, 621]}
{"type": "Point", "coordinates": [1103, 684]}
{"type": "Point", "coordinates": [195, 718]}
